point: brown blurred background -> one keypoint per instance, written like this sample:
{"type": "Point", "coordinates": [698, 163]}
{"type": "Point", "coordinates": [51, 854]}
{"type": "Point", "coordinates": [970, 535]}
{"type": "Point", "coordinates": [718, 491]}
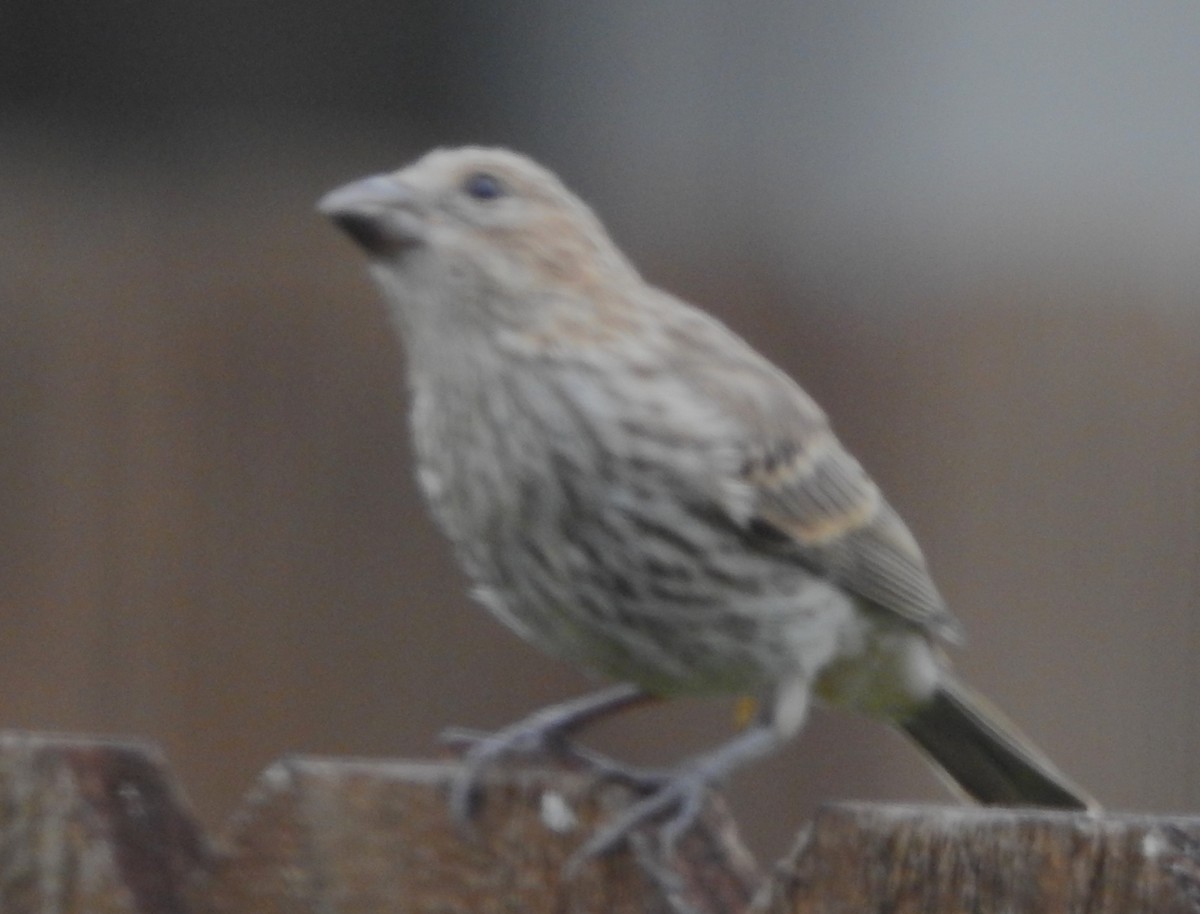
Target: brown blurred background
{"type": "Point", "coordinates": [973, 232]}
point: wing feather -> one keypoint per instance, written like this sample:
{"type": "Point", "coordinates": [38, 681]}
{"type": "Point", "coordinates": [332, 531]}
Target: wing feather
{"type": "Point", "coordinates": [793, 486]}
{"type": "Point", "coordinates": [813, 491]}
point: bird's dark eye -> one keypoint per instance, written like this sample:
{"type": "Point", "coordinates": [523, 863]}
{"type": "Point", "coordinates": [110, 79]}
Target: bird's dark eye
{"type": "Point", "coordinates": [483, 186]}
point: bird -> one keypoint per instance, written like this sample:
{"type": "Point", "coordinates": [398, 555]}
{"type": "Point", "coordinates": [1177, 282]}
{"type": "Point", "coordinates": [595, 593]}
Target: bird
{"type": "Point", "coordinates": [634, 489]}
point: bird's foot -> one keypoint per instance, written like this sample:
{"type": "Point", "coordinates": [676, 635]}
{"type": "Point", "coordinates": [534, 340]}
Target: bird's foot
{"type": "Point", "coordinates": [545, 733]}
{"type": "Point", "coordinates": [482, 750]}
{"type": "Point", "coordinates": [674, 800]}
{"type": "Point", "coordinates": [673, 803]}
{"type": "Point", "coordinates": [641, 779]}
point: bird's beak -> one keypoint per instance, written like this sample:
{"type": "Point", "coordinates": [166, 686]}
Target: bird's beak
{"type": "Point", "coordinates": [380, 213]}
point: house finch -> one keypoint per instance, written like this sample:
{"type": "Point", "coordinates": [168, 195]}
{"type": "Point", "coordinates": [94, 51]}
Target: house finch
{"type": "Point", "coordinates": [633, 488]}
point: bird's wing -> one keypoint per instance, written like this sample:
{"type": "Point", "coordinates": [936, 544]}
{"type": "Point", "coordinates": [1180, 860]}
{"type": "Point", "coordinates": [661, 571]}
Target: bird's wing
{"type": "Point", "coordinates": [812, 491]}
{"type": "Point", "coordinates": [792, 482]}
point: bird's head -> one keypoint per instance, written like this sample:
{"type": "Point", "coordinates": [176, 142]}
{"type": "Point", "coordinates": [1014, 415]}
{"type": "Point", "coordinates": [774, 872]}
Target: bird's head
{"type": "Point", "coordinates": [486, 217]}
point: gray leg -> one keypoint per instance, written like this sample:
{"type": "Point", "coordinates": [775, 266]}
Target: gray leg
{"type": "Point", "coordinates": [677, 798]}
{"type": "Point", "coordinates": [680, 796]}
{"type": "Point", "coordinates": [545, 732]}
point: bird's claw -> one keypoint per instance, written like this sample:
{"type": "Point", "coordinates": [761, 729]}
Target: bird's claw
{"type": "Point", "coordinates": [679, 797]}
{"type": "Point", "coordinates": [604, 767]}
{"type": "Point", "coordinates": [482, 749]}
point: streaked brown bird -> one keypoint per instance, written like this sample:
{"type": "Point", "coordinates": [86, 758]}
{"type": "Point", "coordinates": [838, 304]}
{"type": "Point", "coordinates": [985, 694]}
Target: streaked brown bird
{"type": "Point", "coordinates": [631, 487]}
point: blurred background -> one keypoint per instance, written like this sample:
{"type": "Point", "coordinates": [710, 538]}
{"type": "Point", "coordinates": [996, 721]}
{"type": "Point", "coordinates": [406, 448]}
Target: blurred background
{"type": "Point", "coordinates": [971, 231]}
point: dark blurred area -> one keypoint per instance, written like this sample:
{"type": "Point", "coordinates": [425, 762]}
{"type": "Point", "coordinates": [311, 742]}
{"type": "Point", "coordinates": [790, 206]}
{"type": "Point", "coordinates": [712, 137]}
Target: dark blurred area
{"type": "Point", "coordinates": [973, 232]}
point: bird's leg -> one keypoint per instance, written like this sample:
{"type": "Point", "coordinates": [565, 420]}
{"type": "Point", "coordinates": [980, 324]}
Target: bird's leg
{"type": "Point", "coordinates": [545, 732]}
{"type": "Point", "coordinates": [679, 796]}
{"type": "Point", "coordinates": [636, 777]}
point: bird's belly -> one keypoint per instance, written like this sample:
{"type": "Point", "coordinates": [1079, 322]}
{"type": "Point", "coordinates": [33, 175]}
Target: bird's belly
{"type": "Point", "coordinates": [667, 627]}
{"type": "Point", "coordinates": [628, 565]}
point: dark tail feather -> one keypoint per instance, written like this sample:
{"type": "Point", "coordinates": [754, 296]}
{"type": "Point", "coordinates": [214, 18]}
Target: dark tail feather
{"type": "Point", "coordinates": [986, 756]}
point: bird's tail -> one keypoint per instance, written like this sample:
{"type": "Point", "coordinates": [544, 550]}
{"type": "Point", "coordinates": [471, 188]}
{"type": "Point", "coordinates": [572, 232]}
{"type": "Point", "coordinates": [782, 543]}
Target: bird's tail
{"type": "Point", "coordinates": [986, 756]}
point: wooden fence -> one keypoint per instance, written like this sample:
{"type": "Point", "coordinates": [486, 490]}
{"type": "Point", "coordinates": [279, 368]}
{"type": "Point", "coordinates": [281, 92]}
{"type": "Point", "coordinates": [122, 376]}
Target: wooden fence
{"type": "Point", "coordinates": [99, 826]}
